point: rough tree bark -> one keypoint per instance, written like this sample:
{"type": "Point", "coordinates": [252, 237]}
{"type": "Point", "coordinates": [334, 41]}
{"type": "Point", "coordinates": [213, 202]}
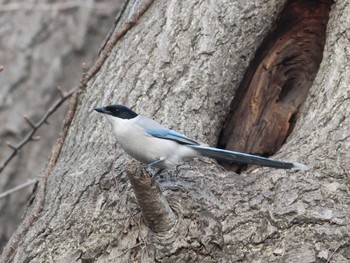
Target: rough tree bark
{"type": "Point", "coordinates": [181, 64]}
{"type": "Point", "coordinates": [42, 46]}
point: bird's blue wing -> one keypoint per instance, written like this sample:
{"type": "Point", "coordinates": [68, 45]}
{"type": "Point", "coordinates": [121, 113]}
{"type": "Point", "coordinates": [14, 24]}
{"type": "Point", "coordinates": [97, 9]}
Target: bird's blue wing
{"type": "Point", "coordinates": [168, 134]}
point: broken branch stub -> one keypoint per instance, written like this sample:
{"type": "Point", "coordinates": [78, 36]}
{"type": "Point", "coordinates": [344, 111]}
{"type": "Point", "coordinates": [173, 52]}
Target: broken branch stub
{"type": "Point", "coordinates": [158, 215]}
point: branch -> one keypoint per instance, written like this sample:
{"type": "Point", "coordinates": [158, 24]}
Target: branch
{"type": "Point", "coordinates": [86, 77]}
{"type": "Point", "coordinates": [12, 244]}
{"type": "Point", "coordinates": [17, 188]}
{"type": "Point", "coordinates": [116, 36]}
{"type": "Point", "coordinates": [34, 127]}
{"type": "Point", "coordinates": [155, 209]}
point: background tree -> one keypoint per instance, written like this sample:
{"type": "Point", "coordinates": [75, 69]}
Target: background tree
{"type": "Point", "coordinates": [182, 64]}
{"type": "Point", "coordinates": [42, 45]}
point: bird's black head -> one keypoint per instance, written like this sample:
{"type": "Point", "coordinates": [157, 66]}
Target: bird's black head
{"type": "Point", "coordinates": [118, 111]}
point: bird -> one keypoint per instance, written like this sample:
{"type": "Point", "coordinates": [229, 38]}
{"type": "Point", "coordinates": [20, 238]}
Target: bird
{"type": "Point", "coordinates": [154, 145]}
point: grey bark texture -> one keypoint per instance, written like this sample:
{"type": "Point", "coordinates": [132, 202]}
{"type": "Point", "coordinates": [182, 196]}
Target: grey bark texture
{"type": "Point", "coordinates": [42, 46]}
{"type": "Point", "coordinates": [181, 65]}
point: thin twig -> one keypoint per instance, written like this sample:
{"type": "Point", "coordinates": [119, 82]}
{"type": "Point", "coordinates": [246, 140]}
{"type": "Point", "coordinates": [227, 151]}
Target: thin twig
{"type": "Point", "coordinates": [335, 250]}
{"type": "Point", "coordinates": [31, 124]}
{"type": "Point", "coordinates": [128, 249]}
{"type": "Point", "coordinates": [17, 188]}
{"type": "Point", "coordinates": [62, 92]}
{"type": "Point", "coordinates": [11, 146]}
{"type": "Point", "coordinates": [35, 126]}
{"type": "Point", "coordinates": [12, 244]}
{"type": "Point", "coordinates": [116, 36]}
{"type": "Point", "coordinates": [36, 138]}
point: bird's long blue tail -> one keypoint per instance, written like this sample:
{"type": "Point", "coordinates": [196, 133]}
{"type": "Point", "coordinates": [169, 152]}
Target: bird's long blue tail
{"type": "Point", "coordinates": [244, 158]}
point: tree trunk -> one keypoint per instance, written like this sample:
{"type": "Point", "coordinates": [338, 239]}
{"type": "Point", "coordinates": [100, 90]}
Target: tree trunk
{"type": "Point", "coordinates": [181, 64]}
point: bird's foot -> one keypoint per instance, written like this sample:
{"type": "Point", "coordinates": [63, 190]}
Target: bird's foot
{"type": "Point", "coordinates": [155, 175]}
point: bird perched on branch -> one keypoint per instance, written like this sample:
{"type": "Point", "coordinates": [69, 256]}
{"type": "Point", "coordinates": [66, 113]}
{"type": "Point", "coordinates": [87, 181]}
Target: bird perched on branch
{"type": "Point", "coordinates": [153, 144]}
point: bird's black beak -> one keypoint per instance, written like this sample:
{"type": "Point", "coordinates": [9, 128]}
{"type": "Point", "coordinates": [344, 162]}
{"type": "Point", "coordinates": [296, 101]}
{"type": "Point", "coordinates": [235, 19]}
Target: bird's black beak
{"type": "Point", "coordinates": [103, 110]}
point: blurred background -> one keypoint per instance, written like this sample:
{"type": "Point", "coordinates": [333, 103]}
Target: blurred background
{"type": "Point", "coordinates": [42, 46]}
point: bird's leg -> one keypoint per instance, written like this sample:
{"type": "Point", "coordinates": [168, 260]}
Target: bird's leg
{"type": "Point", "coordinates": [177, 168]}
{"type": "Point", "coordinates": [161, 159]}
{"type": "Point", "coordinates": [157, 173]}
{"type": "Point", "coordinates": [144, 166]}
